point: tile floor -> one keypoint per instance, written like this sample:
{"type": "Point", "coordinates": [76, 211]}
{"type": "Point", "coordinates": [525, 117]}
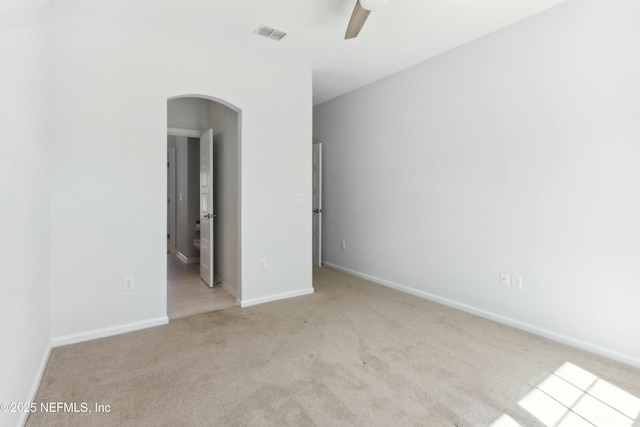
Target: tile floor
{"type": "Point", "coordinates": [187, 294]}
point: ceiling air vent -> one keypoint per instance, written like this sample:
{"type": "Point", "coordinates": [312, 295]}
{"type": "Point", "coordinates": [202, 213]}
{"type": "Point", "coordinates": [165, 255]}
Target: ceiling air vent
{"type": "Point", "coordinates": [270, 33]}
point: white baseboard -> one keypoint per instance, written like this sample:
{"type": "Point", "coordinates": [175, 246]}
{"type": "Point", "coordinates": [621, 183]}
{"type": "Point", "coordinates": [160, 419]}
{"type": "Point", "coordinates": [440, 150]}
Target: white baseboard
{"type": "Point", "coordinates": [185, 259]}
{"type": "Point", "coordinates": [591, 348]}
{"type": "Point", "coordinates": [107, 332]}
{"type": "Point", "coordinates": [227, 286]}
{"type": "Point", "coordinates": [35, 385]}
{"type": "Point", "coordinates": [276, 297]}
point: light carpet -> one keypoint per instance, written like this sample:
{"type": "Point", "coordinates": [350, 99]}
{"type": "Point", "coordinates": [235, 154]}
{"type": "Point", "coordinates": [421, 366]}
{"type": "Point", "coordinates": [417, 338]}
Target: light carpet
{"type": "Point", "coordinates": [353, 353]}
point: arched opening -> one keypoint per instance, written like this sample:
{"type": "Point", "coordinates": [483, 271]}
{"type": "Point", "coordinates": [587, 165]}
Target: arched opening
{"type": "Point", "coordinates": [203, 205]}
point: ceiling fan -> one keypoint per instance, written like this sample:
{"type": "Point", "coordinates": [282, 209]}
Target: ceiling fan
{"type": "Point", "coordinates": [360, 15]}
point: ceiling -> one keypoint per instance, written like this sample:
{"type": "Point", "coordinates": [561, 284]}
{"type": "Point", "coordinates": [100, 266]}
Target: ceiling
{"type": "Point", "coordinates": [401, 34]}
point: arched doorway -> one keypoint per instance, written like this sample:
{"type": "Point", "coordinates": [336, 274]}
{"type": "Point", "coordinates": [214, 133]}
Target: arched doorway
{"type": "Point", "coordinates": [188, 117]}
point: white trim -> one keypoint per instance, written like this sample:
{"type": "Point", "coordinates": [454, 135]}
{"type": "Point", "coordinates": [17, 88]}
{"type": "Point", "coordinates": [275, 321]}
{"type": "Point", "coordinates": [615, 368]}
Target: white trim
{"type": "Point", "coordinates": [318, 250]}
{"type": "Point", "coordinates": [239, 226]}
{"type": "Point", "coordinates": [187, 260]}
{"type": "Point", "coordinates": [276, 297]}
{"type": "Point", "coordinates": [171, 195]}
{"type": "Point", "coordinates": [592, 348]}
{"type": "Point", "coordinates": [192, 133]}
{"type": "Point", "coordinates": [227, 287]}
{"type": "Point", "coordinates": [107, 332]}
{"type": "Point", "coordinates": [35, 386]}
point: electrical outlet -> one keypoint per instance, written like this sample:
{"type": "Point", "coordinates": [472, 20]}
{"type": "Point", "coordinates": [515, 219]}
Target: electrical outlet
{"type": "Point", "coordinates": [343, 244]}
{"type": "Point", "coordinates": [263, 264]}
{"type": "Point", "coordinates": [516, 282]}
{"type": "Point", "coordinates": [127, 283]}
{"type": "Point", "coordinates": [505, 279]}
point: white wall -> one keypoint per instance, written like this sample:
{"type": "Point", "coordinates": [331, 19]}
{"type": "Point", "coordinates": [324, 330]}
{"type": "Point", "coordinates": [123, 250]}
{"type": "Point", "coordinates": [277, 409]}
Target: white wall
{"type": "Point", "coordinates": [188, 113]}
{"type": "Point", "coordinates": [516, 153]}
{"type": "Point", "coordinates": [110, 85]}
{"type": "Point", "coordinates": [224, 122]}
{"type": "Point", "coordinates": [24, 206]}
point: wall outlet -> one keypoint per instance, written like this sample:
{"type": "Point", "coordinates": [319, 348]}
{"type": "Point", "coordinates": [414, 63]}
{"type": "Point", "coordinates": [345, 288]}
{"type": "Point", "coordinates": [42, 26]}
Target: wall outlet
{"type": "Point", "coordinates": [127, 283]}
{"type": "Point", "coordinates": [505, 279]}
{"type": "Point", "coordinates": [263, 264]}
{"type": "Point", "coordinates": [516, 282]}
{"type": "Point", "coordinates": [343, 244]}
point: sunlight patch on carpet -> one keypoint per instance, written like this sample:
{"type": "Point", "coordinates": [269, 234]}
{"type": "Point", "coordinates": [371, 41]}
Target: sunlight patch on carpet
{"type": "Point", "coordinates": [505, 421]}
{"type": "Point", "coordinates": [572, 396]}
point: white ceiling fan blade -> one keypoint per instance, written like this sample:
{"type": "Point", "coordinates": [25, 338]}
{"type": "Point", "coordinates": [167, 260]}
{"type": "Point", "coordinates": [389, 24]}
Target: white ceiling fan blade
{"type": "Point", "coordinates": [358, 18]}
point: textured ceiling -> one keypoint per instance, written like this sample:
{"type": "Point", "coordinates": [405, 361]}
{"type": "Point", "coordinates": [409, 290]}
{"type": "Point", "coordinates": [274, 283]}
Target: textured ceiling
{"type": "Point", "coordinates": [402, 34]}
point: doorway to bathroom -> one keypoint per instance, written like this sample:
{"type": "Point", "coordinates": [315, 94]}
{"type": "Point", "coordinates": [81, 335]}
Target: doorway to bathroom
{"type": "Point", "coordinates": [203, 271]}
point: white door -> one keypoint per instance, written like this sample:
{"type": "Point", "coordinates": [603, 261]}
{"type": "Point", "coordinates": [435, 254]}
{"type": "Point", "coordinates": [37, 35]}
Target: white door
{"type": "Point", "coordinates": [317, 204]}
{"type": "Point", "coordinates": [206, 207]}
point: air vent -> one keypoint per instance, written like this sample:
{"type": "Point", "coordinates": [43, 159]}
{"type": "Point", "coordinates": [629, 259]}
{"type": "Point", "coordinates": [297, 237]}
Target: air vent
{"type": "Point", "coordinates": [270, 33]}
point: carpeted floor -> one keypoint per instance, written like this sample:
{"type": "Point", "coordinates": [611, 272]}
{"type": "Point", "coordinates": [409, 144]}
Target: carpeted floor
{"type": "Point", "coordinates": [353, 353]}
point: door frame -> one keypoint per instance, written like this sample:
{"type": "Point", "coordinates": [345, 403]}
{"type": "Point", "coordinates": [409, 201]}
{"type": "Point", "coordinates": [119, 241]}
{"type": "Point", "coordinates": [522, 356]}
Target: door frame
{"type": "Point", "coordinates": [316, 170]}
{"type": "Point", "coordinates": [190, 133]}
{"type": "Point", "coordinates": [171, 196]}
